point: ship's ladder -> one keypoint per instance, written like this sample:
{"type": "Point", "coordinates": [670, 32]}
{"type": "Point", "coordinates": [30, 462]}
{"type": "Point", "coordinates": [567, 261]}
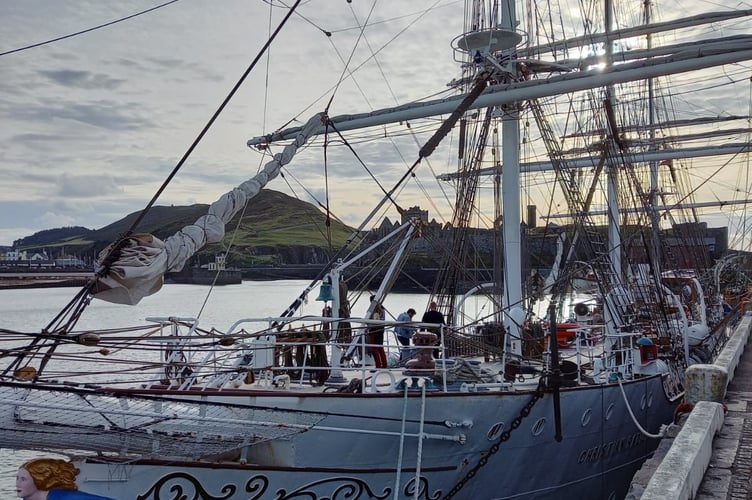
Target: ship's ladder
{"type": "Point", "coordinates": [419, 457]}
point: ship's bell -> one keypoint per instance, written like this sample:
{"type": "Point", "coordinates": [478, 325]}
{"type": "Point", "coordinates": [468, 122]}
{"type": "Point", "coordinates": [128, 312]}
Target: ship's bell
{"type": "Point", "coordinates": [325, 292]}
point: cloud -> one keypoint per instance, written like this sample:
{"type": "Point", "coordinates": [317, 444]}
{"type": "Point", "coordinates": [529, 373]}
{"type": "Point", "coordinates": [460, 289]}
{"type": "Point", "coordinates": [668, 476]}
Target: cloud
{"type": "Point", "coordinates": [50, 219]}
{"type": "Point", "coordinates": [92, 125]}
{"type": "Point", "coordinates": [36, 138]}
{"type": "Point", "coordinates": [103, 114]}
{"type": "Point", "coordinates": [82, 79]}
{"type": "Point", "coordinates": [87, 186]}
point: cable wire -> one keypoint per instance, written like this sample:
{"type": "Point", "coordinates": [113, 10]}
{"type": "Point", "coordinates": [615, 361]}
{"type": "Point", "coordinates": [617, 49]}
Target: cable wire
{"type": "Point", "coordinates": [87, 30]}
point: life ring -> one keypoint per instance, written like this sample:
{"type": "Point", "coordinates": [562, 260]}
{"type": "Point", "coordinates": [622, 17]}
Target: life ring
{"type": "Point", "coordinates": [375, 388]}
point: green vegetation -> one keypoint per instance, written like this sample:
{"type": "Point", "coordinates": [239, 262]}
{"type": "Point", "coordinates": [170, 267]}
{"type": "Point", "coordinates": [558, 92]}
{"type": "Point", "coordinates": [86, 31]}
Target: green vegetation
{"type": "Point", "coordinates": [274, 228]}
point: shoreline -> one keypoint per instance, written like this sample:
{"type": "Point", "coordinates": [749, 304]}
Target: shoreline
{"type": "Point", "coordinates": [411, 280]}
{"type": "Point", "coordinates": [16, 284]}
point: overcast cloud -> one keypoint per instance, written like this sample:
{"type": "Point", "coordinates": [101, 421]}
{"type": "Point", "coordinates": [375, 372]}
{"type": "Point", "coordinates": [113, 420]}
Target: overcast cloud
{"type": "Point", "coordinates": [90, 126]}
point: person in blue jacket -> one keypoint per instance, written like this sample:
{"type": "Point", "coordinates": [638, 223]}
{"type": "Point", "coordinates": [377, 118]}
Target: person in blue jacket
{"type": "Point", "coordinates": [50, 479]}
{"type": "Point", "coordinates": [404, 333]}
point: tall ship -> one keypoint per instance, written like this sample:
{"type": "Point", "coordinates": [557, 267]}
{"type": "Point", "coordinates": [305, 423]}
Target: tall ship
{"type": "Point", "coordinates": [542, 393]}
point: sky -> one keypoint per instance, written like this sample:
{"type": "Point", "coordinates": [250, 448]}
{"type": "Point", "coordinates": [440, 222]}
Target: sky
{"type": "Point", "coordinates": [91, 125]}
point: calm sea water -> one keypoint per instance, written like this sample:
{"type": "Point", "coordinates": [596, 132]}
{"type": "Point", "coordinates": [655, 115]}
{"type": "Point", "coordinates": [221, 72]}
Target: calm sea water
{"type": "Point", "coordinates": [32, 310]}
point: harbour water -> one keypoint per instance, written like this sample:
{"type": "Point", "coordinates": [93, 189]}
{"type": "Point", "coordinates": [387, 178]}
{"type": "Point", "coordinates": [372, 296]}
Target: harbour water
{"type": "Point", "coordinates": [30, 310]}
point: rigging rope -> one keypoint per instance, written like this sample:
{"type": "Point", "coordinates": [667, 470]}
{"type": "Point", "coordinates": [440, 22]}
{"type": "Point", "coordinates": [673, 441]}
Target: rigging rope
{"type": "Point", "coordinates": [470, 98]}
{"type": "Point", "coordinates": [387, 195]}
{"type": "Point", "coordinates": [352, 53]}
{"type": "Point", "coordinates": [74, 308]}
{"type": "Point", "coordinates": [116, 248]}
{"type": "Point", "coordinates": [114, 251]}
{"type": "Point", "coordinates": [425, 151]}
{"type": "Point", "coordinates": [660, 434]}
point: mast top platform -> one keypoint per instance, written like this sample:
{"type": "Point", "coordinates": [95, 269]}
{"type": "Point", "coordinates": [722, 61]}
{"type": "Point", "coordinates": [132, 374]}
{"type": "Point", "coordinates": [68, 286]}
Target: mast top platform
{"type": "Point", "coordinates": [487, 41]}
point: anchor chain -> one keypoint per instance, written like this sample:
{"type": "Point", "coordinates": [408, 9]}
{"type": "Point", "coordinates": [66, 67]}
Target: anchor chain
{"type": "Point", "coordinates": [539, 392]}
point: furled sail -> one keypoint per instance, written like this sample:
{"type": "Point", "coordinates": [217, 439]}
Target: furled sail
{"type": "Point", "coordinates": [143, 260]}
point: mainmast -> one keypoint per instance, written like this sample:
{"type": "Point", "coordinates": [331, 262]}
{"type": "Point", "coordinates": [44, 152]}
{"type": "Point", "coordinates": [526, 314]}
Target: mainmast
{"type": "Point", "coordinates": [654, 218]}
{"type": "Point", "coordinates": [612, 170]}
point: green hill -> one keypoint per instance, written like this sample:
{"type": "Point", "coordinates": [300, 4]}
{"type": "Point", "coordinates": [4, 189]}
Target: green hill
{"type": "Point", "coordinates": [274, 228]}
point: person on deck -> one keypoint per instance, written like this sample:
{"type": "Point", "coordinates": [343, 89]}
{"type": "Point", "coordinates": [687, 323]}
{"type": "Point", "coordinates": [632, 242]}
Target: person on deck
{"type": "Point", "coordinates": [433, 315]}
{"type": "Point", "coordinates": [376, 335]}
{"type": "Point", "coordinates": [404, 333]}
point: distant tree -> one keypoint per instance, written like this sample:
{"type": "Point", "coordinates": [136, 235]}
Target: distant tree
{"type": "Point", "coordinates": [49, 236]}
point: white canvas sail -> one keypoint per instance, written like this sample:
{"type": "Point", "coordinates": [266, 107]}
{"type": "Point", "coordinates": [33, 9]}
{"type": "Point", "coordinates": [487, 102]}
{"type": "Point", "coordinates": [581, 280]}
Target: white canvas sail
{"type": "Point", "coordinates": [143, 261]}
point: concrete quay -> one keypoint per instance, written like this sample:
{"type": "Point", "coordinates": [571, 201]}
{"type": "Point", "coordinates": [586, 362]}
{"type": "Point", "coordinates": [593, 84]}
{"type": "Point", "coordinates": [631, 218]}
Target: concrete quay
{"type": "Point", "coordinates": [729, 473]}
{"type": "Point", "coordinates": [710, 455]}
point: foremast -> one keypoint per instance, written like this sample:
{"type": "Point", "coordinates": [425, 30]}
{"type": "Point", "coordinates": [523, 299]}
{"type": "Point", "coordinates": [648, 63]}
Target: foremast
{"type": "Point", "coordinates": [514, 314]}
{"type": "Point", "coordinates": [489, 47]}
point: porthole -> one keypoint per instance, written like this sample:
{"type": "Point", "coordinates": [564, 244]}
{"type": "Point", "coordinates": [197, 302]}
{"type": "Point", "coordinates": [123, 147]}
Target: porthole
{"type": "Point", "coordinates": [643, 402]}
{"type": "Point", "coordinates": [495, 431]}
{"type": "Point", "coordinates": [650, 399]}
{"type": "Point", "coordinates": [538, 426]}
{"type": "Point", "coordinates": [586, 417]}
{"type": "Point", "coordinates": [609, 411]}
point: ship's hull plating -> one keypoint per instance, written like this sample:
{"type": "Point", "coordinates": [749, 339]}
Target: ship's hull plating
{"type": "Point", "coordinates": [363, 449]}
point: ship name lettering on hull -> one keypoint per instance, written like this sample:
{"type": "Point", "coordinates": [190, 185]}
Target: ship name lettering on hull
{"type": "Point", "coordinates": [606, 450]}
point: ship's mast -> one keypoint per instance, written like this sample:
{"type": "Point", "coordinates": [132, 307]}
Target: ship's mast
{"type": "Point", "coordinates": [612, 171]}
{"type": "Point", "coordinates": [491, 43]}
{"type": "Point", "coordinates": [510, 182]}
